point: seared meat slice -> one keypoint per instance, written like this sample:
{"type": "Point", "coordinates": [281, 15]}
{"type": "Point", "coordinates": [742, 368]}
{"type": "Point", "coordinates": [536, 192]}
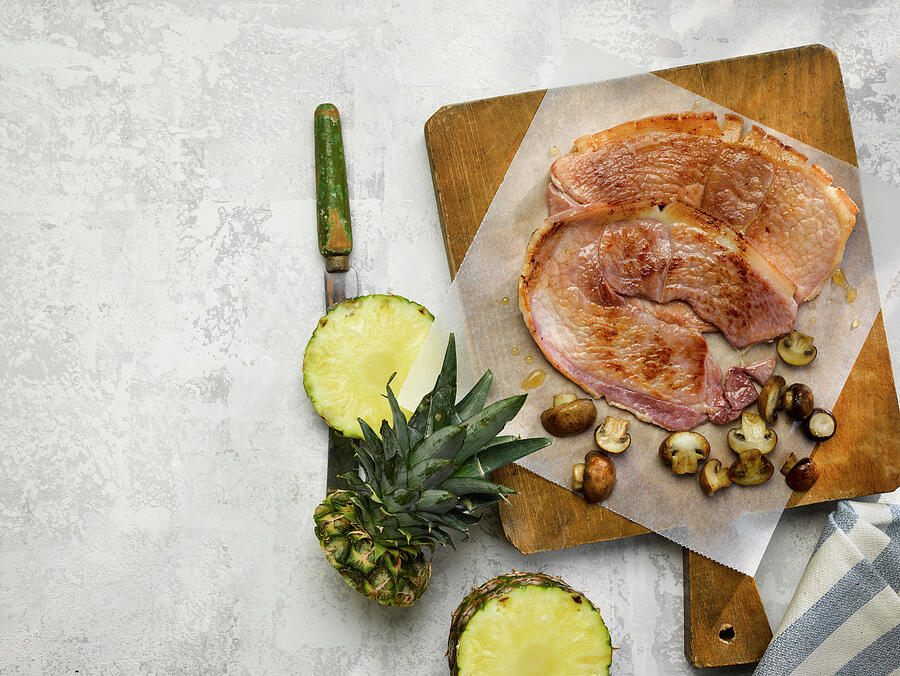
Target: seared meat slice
{"type": "Point", "coordinates": [661, 372]}
{"type": "Point", "coordinates": [803, 221]}
{"type": "Point", "coordinates": [761, 371]}
{"type": "Point", "coordinates": [681, 253]}
{"type": "Point", "coordinates": [658, 158]}
{"type": "Point", "coordinates": [674, 312]}
{"type": "Point", "coordinates": [558, 201]}
{"type": "Point", "coordinates": [786, 208]}
{"type": "Point", "coordinates": [739, 390]}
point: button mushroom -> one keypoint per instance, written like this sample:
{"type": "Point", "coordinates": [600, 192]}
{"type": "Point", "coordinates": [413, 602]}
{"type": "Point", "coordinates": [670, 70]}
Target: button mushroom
{"type": "Point", "coordinates": [770, 398]}
{"type": "Point", "coordinates": [683, 450]}
{"type": "Point", "coordinates": [714, 477]}
{"type": "Point", "coordinates": [800, 474]}
{"type": "Point", "coordinates": [751, 468]}
{"type": "Point", "coordinates": [820, 425]}
{"type": "Point", "coordinates": [752, 433]}
{"type": "Point", "coordinates": [599, 476]}
{"type": "Point", "coordinates": [796, 349]}
{"type": "Point", "coordinates": [611, 436]}
{"type": "Point", "coordinates": [568, 416]}
{"type": "Point", "coordinates": [797, 401]}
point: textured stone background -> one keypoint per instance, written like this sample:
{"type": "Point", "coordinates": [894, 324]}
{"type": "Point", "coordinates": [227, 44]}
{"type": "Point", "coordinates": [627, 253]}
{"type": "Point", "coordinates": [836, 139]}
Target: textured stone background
{"type": "Point", "coordinates": [159, 463]}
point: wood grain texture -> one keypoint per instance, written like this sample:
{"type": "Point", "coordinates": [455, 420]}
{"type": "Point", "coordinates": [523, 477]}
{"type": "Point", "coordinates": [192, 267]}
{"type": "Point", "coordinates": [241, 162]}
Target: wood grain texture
{"type": "Point", "coordinates": [801, 93]}
{"type": "Point", "coordinates": [727, 626]}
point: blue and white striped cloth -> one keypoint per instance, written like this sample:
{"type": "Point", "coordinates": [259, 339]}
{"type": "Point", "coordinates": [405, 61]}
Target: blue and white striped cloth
{"type": "Point", "coordinates": [845, 616]}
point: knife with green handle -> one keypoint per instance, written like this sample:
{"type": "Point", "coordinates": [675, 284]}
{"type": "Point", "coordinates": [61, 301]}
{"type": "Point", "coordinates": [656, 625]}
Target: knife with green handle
{"type": "Point", "coordinates": [335, 244]}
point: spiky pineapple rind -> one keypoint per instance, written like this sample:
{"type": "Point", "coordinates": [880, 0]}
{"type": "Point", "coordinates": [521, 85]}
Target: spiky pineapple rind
{"type": "Point", "coordinates": [391, 576]}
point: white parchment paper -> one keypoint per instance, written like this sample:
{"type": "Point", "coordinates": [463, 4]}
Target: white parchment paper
{"type": "Point", "coordinates": [734, 526]}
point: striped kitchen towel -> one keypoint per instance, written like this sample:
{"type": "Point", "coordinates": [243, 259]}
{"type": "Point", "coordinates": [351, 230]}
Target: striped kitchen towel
{"type": "Point", "coordinates": [845, 616]}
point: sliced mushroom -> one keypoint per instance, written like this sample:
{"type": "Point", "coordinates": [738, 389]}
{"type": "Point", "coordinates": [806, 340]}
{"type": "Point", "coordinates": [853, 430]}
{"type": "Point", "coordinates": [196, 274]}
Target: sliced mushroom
{"type": "Point", "coordinates": [797, 401]}
{"type": "Point", "coordinates": [800, 474]}
{"type": "Point", "coordinates": [714, 477]}
{"type": "Point", "coordinates": [599, 476]}
{"type": "Point", "coordinates": [611, 436]}
{"type": "Point", "coordinates": [683, 450]}
{"type": "Point", "coordinates": [770, 398]}
{"type": "Point", "coordinates": [570, 417]}
{"type": "Point", "coordinates": [751, 468]}
{"type": "Point", "coordinates": [752, 433]}
{"type": "Point", "coordinates": [796, 348]}
{"type": "Point", "coordinates": [820, 425]}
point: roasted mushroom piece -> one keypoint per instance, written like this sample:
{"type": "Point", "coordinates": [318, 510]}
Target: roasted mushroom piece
{"type": "Point", "coordinates": [682, 451]}
{"type": "Point", "coordinates": [569, 415]}
{"type": "Point", "coordinates": [800, 474]}
{"type": "Point", "coordinates": [751, 468]}
{"type": "Point", "coordinates": [797, 401]}
{"type": "Point", "coordinates": [714, 477]}
{"type": "Point", "coordinates": [611, 436]}
{"type": "Point", "coordinates": [820, 425]}
{"type": "Point", "coordinates": [599, 476]}
{"type": "Point", "coordinates": [770, 398]}
{"type": "Point", "coordinates": [796, 348]}
{"type": "Point", "coordinates": [752, 433]}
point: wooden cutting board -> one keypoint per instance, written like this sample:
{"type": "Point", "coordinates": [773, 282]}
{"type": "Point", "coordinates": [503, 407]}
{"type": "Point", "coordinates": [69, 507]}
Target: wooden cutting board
{"type": "Point", "coordinates": [799, 92]}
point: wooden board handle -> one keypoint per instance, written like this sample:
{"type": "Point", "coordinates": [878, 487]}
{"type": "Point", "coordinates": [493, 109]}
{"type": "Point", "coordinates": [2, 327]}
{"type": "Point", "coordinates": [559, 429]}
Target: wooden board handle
{"type": "Point", "coordinates": [724, 618]}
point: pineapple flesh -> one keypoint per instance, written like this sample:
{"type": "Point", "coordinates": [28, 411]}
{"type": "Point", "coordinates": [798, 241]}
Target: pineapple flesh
{"type": "Point", "coordinates": [419, 480]}
{"type": "Point", "coordinates": [355, 348]}
{"type": "Point", "coordinates": [528, 624]}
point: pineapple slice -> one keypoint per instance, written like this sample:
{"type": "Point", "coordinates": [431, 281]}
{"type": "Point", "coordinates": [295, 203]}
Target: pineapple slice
{"type": "Point", "coordinates": [353, 352]}
{"type": "Point", "coordinates": [528, 624]}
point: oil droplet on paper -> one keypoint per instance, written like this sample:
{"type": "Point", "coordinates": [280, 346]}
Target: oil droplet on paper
{"type": "Point", "coordinates": [854, 324]}
{"type": "Point", "coordinates": [504, 300]}
{"type": "Point", "coordinates": [554, 151]}
{"type": "Point", "coordinates": [529, 359]}
{"type": "Point", "coordinates": [533, 379]}
{"type": "Point", "coordinates": [514, 351]}
{"type": "Point", "coordinates": [840, 279]}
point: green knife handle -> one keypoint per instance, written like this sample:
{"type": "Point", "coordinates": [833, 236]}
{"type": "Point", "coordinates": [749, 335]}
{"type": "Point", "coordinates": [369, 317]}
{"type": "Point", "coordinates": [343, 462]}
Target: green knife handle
{"type": "Point", "coordinates": [332, 199]}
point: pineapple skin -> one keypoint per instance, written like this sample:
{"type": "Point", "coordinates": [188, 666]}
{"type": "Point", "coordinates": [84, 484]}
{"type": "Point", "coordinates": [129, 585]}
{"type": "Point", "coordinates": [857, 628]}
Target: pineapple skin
{"type": "Point", "coordinates": [495, 588]}
{"type": "Point", "coordinates": [390, 576]}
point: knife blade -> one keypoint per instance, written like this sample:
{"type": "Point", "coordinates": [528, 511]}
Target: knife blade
{"type": "Point", "coordinates": [335, 244]}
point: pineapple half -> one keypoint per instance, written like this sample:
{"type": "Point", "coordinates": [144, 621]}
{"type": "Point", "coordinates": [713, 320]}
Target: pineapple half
{"type": "Point", "coordinates": [355, 348]}
{"type": "Point", "coordinates": [419, 479]}
{"type": "Point", "coordinates": [528, 624]}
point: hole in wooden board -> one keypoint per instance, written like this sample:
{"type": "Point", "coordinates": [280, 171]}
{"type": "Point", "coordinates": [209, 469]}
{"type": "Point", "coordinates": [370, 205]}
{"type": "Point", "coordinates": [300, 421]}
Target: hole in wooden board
{"type": "Point", "coordinates": [726, 633]}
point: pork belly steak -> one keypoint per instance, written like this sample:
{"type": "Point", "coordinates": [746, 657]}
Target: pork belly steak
{"type": "Point", "coordinates": [787, 209]}
{"type": "Point", "coordinates": [662, 372]}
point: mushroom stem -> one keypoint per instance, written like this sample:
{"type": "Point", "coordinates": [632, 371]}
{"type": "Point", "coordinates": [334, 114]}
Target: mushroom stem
{"type": "Point", "coordinates": [577, 476]}
{"type": "Point", "coordinates": [789, 464]}
{"type": "Point", "coordinates": [560, 399]}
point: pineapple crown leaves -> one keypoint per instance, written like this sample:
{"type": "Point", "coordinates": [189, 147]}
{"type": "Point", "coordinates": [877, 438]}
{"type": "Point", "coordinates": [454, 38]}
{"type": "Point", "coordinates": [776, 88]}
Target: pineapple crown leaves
{"type": "Point", "coordinates": [423, 477]}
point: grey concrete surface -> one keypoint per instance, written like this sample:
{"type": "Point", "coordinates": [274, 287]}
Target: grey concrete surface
{"type": "Point", "coordinates": [159, 279]}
